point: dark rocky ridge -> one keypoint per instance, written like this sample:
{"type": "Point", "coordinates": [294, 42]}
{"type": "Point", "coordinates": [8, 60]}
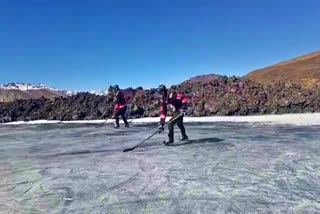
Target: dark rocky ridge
{"type": "Point", "coordinates": [222, 96]}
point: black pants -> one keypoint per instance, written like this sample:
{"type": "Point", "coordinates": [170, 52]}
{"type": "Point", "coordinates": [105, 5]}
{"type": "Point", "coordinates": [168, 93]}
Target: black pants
{"type": "Point", "coordinates": [121, 111]}
{"type": "Point", "coordinates": [179, 122]}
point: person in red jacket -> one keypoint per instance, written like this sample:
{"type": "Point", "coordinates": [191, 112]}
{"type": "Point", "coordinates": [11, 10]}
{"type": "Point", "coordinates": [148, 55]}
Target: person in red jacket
{"type": "Point", "coordinates": [120, 107]}
{"type": "Point", "coordinates": [175, 104]}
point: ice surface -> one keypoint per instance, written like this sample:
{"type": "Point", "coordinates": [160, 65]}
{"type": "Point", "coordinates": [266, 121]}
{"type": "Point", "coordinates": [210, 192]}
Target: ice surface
{"type": "Point", "coordinates": [225, 168]}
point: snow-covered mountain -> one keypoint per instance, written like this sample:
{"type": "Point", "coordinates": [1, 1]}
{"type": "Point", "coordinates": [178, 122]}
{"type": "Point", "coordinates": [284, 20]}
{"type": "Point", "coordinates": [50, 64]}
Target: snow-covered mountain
{"type": "Point", "coordinates": [68, 92]}
{"type": "Point", "coordinates": [99, 92]}
{"type": "Point", "coordinates": [26, 86]}
{"type": "Point", "coordinates": [24, 91]}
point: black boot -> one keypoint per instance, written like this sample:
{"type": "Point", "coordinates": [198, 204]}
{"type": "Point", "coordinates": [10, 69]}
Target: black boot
{"type": "Point", "coordinates": [116, 126]}
{"type": "Point", "coordinates": [184, 138]}
{"type": "Point", "coordinates": [127, 125]}
{"type": "Point", "coordinates": [169, 142]}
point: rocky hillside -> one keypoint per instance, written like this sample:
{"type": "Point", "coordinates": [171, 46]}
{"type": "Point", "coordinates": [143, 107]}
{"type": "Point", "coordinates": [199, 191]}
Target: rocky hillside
{"type": "Point", "coordinates": [304, 70]}
{"type": "Point", "coordinates": [11, 95]}
{"type": "Point", "coordinates": [16, 91]}
{"type": "Point", "coordinates": [203, 78]}
{"type": "Point", "coordinates": [222, 96]}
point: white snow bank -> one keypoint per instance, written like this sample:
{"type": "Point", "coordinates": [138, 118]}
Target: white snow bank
{"type": "Point", "coordinates": [293, 119]}
{"type": "Point", "coordinates": [33, 122]}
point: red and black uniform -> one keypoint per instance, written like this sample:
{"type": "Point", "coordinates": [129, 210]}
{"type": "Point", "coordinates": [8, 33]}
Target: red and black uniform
{"type": "Point", "coordinates": [120, 108]}
{"type": "Point", "coordinates": [185, 101]}
{"type": "Point", "coordinates": [164, 102]}
{"type": "Point", "coordinates": [175, 105]}
{"type": "Point", "coordinates": [164, 108]}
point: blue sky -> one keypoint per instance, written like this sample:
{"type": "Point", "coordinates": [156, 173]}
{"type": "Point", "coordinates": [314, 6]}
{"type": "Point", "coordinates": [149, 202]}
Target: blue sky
{"type": "Point", "coordinates": [84, 45]}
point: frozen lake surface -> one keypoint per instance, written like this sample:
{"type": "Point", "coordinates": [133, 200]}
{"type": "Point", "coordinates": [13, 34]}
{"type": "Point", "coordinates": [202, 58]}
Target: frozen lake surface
{"type": "Point", "coordinates": [225, 168]}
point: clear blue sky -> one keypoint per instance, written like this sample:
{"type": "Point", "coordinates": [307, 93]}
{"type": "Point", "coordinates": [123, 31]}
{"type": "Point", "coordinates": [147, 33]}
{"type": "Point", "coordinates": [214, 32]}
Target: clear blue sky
{"type": "Point", "coordinates": [88, 44]}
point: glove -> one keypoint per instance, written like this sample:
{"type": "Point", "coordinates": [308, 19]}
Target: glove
{"type": "Point", "coordinates": [184, 112]}
{"type": "Point", "coordinates": [160, 129]}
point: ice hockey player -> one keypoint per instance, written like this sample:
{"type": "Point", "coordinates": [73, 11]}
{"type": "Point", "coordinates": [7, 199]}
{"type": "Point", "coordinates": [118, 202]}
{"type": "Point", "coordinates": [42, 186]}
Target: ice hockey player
{"type": "Point", "coordinates": [174, 102]}
{"type": "Point", "coordinates": [120, 107]}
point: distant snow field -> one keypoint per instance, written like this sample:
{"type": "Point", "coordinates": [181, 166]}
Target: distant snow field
{"type": "Point", "coordinates": [293, 119]}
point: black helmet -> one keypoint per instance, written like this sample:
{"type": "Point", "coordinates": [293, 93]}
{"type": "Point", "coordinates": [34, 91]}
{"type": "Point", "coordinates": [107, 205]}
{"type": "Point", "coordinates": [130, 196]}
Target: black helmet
{"type": "Point", "coordinates": [116, 88]}
{"type": "Point", "coordinates": [162, 89]}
